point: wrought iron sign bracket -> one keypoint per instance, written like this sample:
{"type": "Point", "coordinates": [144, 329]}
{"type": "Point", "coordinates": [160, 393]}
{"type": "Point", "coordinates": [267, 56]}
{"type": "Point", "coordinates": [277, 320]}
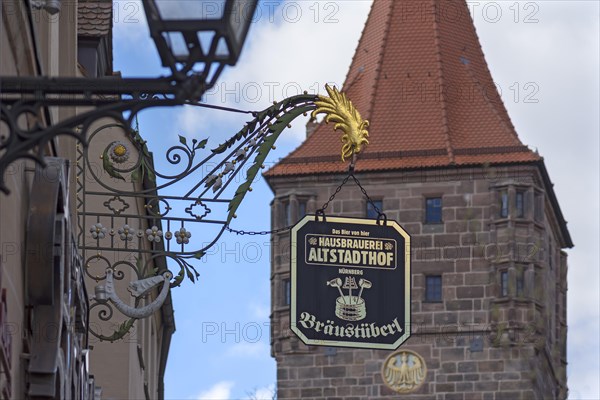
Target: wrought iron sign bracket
{"type": "Point", "coordinates": [110, 191]}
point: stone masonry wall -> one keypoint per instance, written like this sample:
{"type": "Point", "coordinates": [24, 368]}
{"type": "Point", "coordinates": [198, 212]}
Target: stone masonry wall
{"type": "Point", "coordinates": [478, 343]}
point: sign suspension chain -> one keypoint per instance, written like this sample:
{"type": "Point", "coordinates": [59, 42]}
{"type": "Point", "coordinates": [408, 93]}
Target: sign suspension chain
{"type": "Point", "coordinates": [380, 214]}
{"type": "Point", "coordinates": [337, 108]}
{"type": "Point", "coordinates": [321, 211]}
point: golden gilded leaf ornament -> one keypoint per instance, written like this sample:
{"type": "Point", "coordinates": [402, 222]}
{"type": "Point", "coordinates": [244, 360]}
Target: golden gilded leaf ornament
{"type": "Point", "coordinates": [337, 108]}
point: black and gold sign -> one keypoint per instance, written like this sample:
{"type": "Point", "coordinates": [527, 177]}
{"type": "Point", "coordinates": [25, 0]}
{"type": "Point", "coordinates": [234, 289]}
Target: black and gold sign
{"type": "Point", "coordinates": [350, 283]}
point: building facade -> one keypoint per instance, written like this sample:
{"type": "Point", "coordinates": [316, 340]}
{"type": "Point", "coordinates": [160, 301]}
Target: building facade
{"type": "Point", "coordinates": [47, 348]}
{"type": "Point", "coordinates": [489, 270]}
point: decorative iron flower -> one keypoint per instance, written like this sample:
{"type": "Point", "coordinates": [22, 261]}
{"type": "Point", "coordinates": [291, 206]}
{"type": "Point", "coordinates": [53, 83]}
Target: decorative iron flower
{"type": "Point", "coordinates": [154, 234]}
{"type": "Point", "coordinates": [240, 154]}
{"type": "Point", "coordinates": [229, 166]}
{"type": "Point", "coordinates": [126, 233]}
{"type": "Point", "coordinates": [218, 184]}
{"type": "Point", "coordinates": [211, 179]}
{"type": "Point", "coordinates": [98, 231]}
{"type": "Point", "coordinates": [118, 152]}
{"type": "Point", "coordinates": [183, 236]}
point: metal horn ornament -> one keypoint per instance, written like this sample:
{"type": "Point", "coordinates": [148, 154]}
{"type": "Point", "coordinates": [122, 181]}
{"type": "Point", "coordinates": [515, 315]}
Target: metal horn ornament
{"type": "Point", "coordinates": [137, 288]}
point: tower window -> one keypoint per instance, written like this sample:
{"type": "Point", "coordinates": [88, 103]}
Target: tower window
{"type": "Point", "coordinates": [433, 210]}
{"type": "Point", "coordinates": [301, 209]}
{"type": "Point", "coordinates": [433, 288]}
{"type": "Point", "coordinates": [520, 203]}
{"type": "Point", "coordinates": [504, 283]}
{"type": "Point", "coordinates": [504, 204]}
{"type": "Point", "coordinates": [371, 211]}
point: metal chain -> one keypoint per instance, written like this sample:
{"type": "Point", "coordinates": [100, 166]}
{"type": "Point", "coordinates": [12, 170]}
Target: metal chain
{"type": "Point", "coordinates": [364, 191]}
{"type": "Point", "coordinates": [258, 233]}
{"type": "Point", "coordinates": [380, 214]}
{"type": "Point", "coordinates": [339, 188]}
{"type": "Point", "coordinates": [320, 211]}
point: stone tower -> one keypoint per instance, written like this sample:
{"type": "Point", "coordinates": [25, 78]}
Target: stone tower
{"type": "Point", "coordinates": [488, 271]}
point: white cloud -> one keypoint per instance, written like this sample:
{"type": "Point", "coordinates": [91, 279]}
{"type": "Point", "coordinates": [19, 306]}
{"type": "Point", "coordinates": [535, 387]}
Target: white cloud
{"type": "Point", "coordinates": [190, 119]}
{"type": "Point", "coordinates": [219, 391]}
{"type": "Point", "coordinates": [301, 49]}
{"type": "Point", "coordinates": [559, 54]}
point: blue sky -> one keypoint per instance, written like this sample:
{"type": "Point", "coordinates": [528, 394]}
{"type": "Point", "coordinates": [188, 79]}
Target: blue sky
{"type": "Point", "coordinates": [545, 50]}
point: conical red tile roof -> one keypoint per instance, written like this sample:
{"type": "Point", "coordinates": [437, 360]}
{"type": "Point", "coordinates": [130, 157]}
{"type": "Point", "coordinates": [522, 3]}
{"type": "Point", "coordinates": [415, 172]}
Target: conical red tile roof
{"type": "Point", "coordinates": [420, 77]}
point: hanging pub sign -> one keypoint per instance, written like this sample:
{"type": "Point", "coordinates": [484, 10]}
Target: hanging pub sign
{"type": "Point", "coordinates": [350, 282]}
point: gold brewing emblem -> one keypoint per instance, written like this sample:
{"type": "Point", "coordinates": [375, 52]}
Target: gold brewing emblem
{"type": "Point", "coordinates": [404, 371]}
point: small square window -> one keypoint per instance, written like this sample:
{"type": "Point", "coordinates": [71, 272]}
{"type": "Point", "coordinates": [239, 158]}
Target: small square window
{"type": "Point", "coordinates": [520, 204]}
{"type": "Point", "coordinates": [371, 211]}
{"type": "Point", "coordinates": [301, 209]}
{"type": "Point", "coordinates": [433, 210]}
{"type": "Point", "coordinates": [433, 288]}
{"type": "Point", "coordinates": [504, 204]}
{"type": "Point", "coordinates": [504, 283]}
{"type": "Point", "coordinates": [287, 292]}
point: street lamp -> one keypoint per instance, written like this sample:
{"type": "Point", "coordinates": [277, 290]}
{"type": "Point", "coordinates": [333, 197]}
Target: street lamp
{"type": "Point", "coordinates": [199, 34]}
{"type": "Point", "coordinates": [194, 38]}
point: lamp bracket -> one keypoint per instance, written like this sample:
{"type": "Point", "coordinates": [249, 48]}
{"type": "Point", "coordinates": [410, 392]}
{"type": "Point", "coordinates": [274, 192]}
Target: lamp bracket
{"type": "Point", "coordinates": [26, 128]}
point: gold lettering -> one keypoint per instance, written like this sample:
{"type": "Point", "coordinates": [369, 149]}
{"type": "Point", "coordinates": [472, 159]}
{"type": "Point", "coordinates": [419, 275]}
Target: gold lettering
{"type": "Point", "coordinates": [307, 320]}
{"type": "Point", "coordinates": [347, 257]}
{"type": "Point", "coordinates": [312, 254]}
{"type": "Point", "coordinates": [372, 257]}
{"type": "Point", "coordinates": [395, 322]}
{"type": "Point", "coordinates": [356, 257]}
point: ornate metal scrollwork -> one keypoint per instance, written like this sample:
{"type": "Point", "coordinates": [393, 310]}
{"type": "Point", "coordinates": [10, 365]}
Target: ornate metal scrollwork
{"type": "Point", "coordinates": [126, 221]}
{"type": "Point", "coordinates": [124, 179]}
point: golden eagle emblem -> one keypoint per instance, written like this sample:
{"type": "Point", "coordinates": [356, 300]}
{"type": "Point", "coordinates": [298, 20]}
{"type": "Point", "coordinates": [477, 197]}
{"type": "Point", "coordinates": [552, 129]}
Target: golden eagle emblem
{"type": "Point", "coordinates": [404, 371]}
{"type": "Point", "coordinates": [340, 110]}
